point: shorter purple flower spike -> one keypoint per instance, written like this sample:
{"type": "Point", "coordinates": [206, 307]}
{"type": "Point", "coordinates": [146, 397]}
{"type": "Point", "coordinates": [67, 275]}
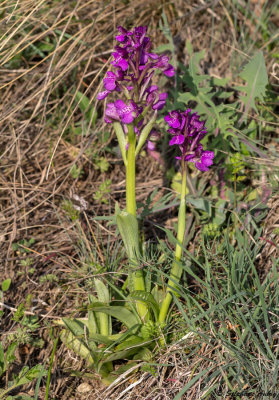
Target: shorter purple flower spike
{"type": "Point", "coordinates": [188, 130]}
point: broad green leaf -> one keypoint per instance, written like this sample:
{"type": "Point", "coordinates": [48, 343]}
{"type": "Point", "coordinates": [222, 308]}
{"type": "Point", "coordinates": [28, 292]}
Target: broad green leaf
{"type": "Point", "coordinates": [97, 337]}
{"type": "Point", "coordinates": [75, 326]}
{"type": "Point", "coordinates": [103, 297]}
{"type": "Point", "coordinates": [91, 323]}
{"type": "Point", "coordinates": [255, 74]}
{"type": "Point", "coordinates": [132, 341]}
{"type": "Point", "coordinates": [121, 313]}
{"type": "Point", "coordinates": [129, 231]}
{"type": "Point", "coordinates": [110, 378]}
{"type": "Point", "coordinates": [158, 295]}
{"type": "Point", "coordinates": [76, 345]}
{"type": "Point", "coordinates": [102, 291]}
{"type": "Point", "coordinates": [147, 298]}
{"type": "Point", "coordinates": [120, 355]}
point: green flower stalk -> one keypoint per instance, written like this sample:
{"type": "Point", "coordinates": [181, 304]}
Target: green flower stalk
{"type": "Point", "coordinates": [176, 270]}
{"type": "Point", "coordinates": [187, 131]}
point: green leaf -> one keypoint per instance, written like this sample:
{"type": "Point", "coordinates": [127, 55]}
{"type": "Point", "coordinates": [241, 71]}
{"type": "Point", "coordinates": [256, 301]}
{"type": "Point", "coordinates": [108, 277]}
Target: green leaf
{"type": "Point", "coordinates": [75, 326]}
{"type": "Point", "coordinates": [132, 341]}
{"type": "Point", "coordinates": [10, 357]}
{"type": "Point", "coordinates": [122, 141]}
{"type": "Point", "coordinates": [97, 337]}
{"type": "Point", "coordinates": [219, 212]}
{"type": "Point", "coordinates": [102, 291]}
{"type": "Point", "coordinates": [144, 355]}
{"type": "Point", "coordinates": [103, 297]}
{"type": "Point", "coordinates": [121, 313]}
{"type": "Point", "coordinates": [255, 74]}
{"type": "Point", "coordinates": [147, 298]}
{"type": "Point", "coordinates": [77, 346]}
{"type": "Point", "coordinates": [200, 204]}
{"type": "Point", "coordinates": [129, 231]}
{"type": "Point", "coordinates": [123, 354]}
{"type": "Point", "coordinates": [86, 107]}
{"type": "Point", "coordinates": [110, 378]}
{"type": "Point", "coordinates": [6, 284]}
{"type": "Point", "coordinates": [2, 363]}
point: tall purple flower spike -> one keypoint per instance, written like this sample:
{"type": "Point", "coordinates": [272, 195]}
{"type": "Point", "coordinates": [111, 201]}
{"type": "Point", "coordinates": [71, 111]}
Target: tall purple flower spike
{"type": "Point", "coordinates": [188, 130]}
{"type": "Point", "coordinates": [134, 66]}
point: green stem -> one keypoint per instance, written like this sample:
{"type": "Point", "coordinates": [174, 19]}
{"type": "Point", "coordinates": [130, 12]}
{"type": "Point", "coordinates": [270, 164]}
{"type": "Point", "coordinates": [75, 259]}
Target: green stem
{"type": "Point", "coordinates": [131, 172]}
{"type": "Point", "coordinates": [138, 279]}
{"type": "Point", "coordinates": [176, 270]}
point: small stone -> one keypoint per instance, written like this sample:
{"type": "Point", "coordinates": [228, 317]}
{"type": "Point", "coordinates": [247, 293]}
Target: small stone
{"type": "Point", "coordinates": [84, 387]}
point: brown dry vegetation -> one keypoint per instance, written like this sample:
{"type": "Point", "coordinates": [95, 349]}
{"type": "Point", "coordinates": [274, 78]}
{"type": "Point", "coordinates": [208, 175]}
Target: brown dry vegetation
{"type": "Point", "coordinates": [37, 110]}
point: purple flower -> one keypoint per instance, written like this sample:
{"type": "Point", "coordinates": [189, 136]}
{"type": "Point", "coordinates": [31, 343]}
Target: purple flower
{"type": "Point", "coordinates": [109, 81]}
{"type": "Point", "coordinates": [124, 111]}
{"type": "Point", "coordinates": [135, 65]}
{"type": "Point", "coordinates": [111, 113]}
{"type": "Point", "coordinates": [119, 111]}
{"type": "Point", "coordinates": [175, 120]}
{"type": "Point", "coordinates": [119, 61]}
{"type": "Point", "coordinates": [158, 100]}
{"type": "Point", "coordinates": [163, 64]}
{"type": "Point", "coordinates": [206, 161]}
{"type": "Point", "coordinates": [188, 130]}
{"type": "Point", "coordinates": [102, 95]}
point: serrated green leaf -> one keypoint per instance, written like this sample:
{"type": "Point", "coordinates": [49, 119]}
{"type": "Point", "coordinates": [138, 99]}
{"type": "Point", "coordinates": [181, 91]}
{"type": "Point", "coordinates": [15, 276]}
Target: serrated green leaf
{"type": "Point", "coordinates": [219, 212]}
{"type": "Point", "coordinates": [255, 74]}
{"type": "Point", "coordinates": [147, 298]}
{"type": "Point", "coordinates": [200, 204]}
{"type": "Point", "coordinates": [10, 352]}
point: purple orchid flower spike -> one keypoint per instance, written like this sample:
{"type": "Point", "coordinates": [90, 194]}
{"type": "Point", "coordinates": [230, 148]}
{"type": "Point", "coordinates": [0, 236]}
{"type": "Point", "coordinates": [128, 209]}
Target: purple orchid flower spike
{"type": "Point", "coordinates": [188, 130]}
{"type": "Point", "coordinates": [133, 70]}
{"type": "Point", "coordinates": [134, 66]}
